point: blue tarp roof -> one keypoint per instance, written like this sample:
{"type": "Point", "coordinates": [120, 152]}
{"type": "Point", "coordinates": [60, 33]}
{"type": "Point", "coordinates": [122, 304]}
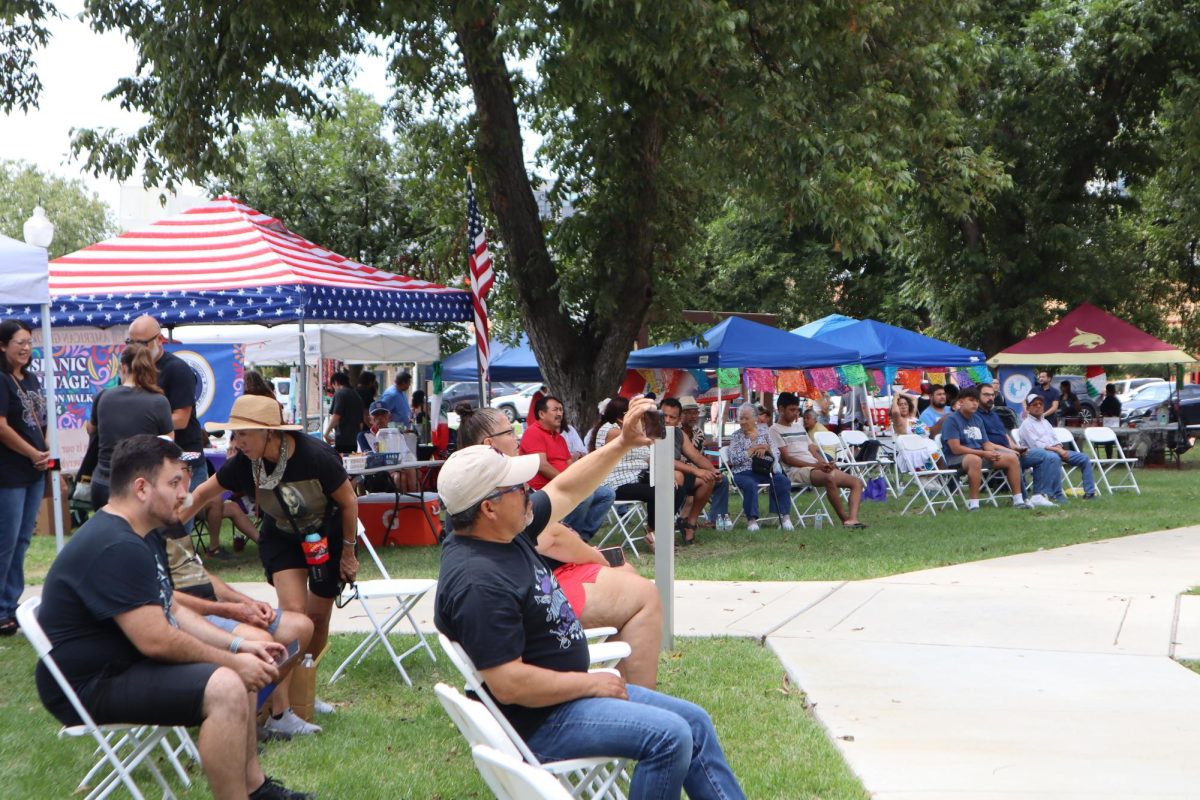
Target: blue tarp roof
{"type": "Point", "coordinates": [508, 363]}
{"type": "Point", "coordinates": [737, 342]}
{"type": "Point", "coordinates": [824, 325]}
{"type": "Point", "coordinates": [883, 345]}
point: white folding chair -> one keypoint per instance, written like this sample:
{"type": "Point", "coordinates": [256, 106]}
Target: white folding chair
{"type": "Point", "coordinates": [122, 747]}
{"type": "Point", "coordinates": [625, 516]}
{"type": "Point", "coordinates": [512, 779]}
{"type": "Point", "coordinates": [405, 592]}
{"type": "Point", "coordinates": [863, 469]}
{"type": "Point", "coordinates": [935, 488]}
{"type": "Point", "coordinates": [1106, 466]}
{"type": "Point", "coordinates": [1067, 440]}
{"type": "Point", "coordinates": [594, 777]}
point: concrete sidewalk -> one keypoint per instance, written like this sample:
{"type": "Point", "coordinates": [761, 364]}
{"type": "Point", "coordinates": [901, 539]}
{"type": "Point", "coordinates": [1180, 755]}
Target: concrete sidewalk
{"type": "Point", "coordinates": [1041, 675]}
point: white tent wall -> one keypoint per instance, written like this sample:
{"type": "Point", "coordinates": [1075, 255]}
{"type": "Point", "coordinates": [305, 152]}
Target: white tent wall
{"type": "Point", "coordinates": [350, 343]}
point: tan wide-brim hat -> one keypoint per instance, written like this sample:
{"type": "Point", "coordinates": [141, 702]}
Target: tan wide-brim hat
{"type": "Point", "coordinates": [253, 412]}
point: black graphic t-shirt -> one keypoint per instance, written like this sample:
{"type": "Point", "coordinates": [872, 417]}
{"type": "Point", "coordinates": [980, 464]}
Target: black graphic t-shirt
{"type": "Point", "coordinates": [501, 602]}
{"type": "Point", "coordinates": [178, 383]}
{"type": "Point", "coordinates": [313, 473]}
{"type": "Point", "coordinates": [105, 569]}
{"type": "Point", "coordinates": [24, 406]}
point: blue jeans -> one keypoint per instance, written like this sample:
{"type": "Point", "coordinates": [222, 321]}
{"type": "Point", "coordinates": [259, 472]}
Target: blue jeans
{"type": "Point", "coordinates": [781, 486]}
{"type": "Point", "coordinates": [674, 742]}
{"type": "Point", "coordinates": [589, 515]}
{"type": "Point", "coordinates": [1047, 471]}
{"type": "Point", "coordinates": [1078, 459]}
{"type": "Point", "coordinates": [199, 476]}
{"type": "Point", "coordinates": [18, 514]}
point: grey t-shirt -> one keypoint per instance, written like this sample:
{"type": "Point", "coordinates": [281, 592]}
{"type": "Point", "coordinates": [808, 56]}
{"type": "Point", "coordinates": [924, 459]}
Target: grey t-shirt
{"type": "Point", "coordinates": [122, 412]}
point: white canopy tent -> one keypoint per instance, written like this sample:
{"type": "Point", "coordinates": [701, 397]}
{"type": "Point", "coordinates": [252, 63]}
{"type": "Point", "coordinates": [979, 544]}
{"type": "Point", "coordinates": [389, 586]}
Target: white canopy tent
{"type": "Point", "coordinates": [25, 281]}
{"type": "Point", "coordinates": [385, 343]}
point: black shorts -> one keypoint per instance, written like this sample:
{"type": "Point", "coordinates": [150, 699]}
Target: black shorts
{"type": "Point", "coordinates": [280, 552]}
{"type": "Point", "coordinates": [149, 693]}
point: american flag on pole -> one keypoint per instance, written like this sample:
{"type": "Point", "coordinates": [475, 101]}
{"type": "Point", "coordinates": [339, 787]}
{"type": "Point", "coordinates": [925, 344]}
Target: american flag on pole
{"type": "Point", "coordinates": [481, 272]}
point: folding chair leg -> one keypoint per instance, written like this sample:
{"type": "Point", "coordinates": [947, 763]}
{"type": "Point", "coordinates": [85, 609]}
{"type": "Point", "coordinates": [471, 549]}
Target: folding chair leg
{"type": "Point", "coordinates": [380, 636]}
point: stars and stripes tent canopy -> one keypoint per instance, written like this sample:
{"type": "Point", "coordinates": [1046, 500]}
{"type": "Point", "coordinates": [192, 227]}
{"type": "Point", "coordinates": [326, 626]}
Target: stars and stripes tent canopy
{"type": "Point", "coordinates": [507, 363]}
{"type": "Point", "coordinates": [226, 262]}
{"type": "Point", "coordinates": [881, 345]}
{"type": "Point", "coordinates": [737, 342]}
{"type": "Point", "coordinates": [1089, 335]}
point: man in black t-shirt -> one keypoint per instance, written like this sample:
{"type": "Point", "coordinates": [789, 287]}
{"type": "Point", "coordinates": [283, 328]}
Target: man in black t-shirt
{"type": "Point", "coordinates": [500, 601]}
{"type": "Point", "coordinates": [345, 415]}
{"type": "Point", "coordinates": [129, 652]}
{"type": "Point", "coordinates": [178, 383]}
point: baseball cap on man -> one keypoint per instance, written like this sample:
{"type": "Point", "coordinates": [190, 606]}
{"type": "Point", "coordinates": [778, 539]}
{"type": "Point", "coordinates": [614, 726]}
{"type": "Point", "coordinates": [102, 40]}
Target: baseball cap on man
{"type": "Point", "coordinates": [471, 474]}
{"type": "Point", "coordinates": [1032, 397]}
{"type": "Point", "coordinates": [687, 402]}
{"type": "Point", "coordinates": [378, 406]}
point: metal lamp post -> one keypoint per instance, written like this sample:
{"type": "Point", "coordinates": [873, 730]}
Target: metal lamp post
{"type": "Point", "coordinates": [39, 232]}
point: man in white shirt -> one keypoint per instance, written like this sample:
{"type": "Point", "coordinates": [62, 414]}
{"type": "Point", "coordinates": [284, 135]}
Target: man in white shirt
{"type": "Point", "coordinates": [806, 465]}
{"type": "Point", "coordinates": [1036, 431]}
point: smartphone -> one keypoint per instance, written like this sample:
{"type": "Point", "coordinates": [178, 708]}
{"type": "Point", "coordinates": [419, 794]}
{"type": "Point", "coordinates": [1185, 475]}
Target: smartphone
{"type": "Point", "coordinates": [613, 555]}
{"type": "Point", "coordinates": [654, 424]}
{"type": "Point", "coordinates": [52, 463]}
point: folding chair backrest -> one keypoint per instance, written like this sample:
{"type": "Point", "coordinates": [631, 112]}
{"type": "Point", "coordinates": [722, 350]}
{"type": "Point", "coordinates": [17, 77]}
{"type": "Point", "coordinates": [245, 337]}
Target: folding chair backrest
{"type": "Point", "coordinates": [365, 542]}
{"type": "Point", "coordinates": [912, 443]}
{"type": "Point", "coordinates": [1100, 435]}
{"type": "Point", "coordinates": [1065, 438]}
{"type": "Point", "coordinates": [1015, 433]}
{"type": "Point", "coordinates": [27, 618]}
{"type": "Point", "coordinates": [474, 721]}
{"type": "Point", "coordinates": [826, 440]}
{"type": "Point", "coordinates": [511, 779]}
{"type": "Point", "coordinates": [854, 438]}
{"type": "Point", "coordinates": [462, 662]}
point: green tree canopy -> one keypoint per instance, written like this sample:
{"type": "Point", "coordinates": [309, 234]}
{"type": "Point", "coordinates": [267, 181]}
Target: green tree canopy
{"type": "Point", "coordinates": [80, 218]}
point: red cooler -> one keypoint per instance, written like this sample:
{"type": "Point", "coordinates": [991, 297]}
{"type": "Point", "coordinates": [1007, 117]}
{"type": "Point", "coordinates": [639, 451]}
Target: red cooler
{"type": "Point", "coordinates": [411, 523]}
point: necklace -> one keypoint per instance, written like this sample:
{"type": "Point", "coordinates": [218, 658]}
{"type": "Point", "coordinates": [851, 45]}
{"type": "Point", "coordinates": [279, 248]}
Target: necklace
{"type": "Point", "coordinates": [271, 480]}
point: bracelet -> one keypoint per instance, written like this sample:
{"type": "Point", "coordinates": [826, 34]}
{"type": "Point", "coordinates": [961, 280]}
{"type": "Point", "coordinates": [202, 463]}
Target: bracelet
{"type": "Point", "coordinates": [235, 644]}
{"type": "Point", "coordinates": [350, 541]}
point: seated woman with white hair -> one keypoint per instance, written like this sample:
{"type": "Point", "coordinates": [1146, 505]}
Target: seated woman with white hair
{"type": "Point", "coordinates": [751, 440]}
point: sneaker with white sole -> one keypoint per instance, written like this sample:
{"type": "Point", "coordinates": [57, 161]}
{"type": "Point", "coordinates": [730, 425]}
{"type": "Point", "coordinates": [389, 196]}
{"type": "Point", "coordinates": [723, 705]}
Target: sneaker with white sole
{"type": "Point", "coordinates": [752, 525]}
{"type": "Point", "coordinates": [787, 524]}
{"type": "Point", "coordinates": [1041, 501]}
{"type": "Point", "coordinates": [321, 707]}
{"type": "Point", "coordinates": [1024, 504]}
{"type": "Point", "coordinates": [290, 725]}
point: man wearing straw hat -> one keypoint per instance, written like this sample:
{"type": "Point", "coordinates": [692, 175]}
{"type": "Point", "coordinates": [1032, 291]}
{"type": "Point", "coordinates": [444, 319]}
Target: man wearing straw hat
{"type": "Point", "coordinates": [302, 488]}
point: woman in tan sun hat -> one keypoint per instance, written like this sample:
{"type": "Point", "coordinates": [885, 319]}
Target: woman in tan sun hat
{"type": "Point", "coordinates": [302, 488]}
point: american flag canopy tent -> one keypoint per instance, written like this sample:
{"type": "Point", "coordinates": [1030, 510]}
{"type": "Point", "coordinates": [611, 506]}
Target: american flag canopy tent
{"type": "Point", "coordinates": [225, 262]}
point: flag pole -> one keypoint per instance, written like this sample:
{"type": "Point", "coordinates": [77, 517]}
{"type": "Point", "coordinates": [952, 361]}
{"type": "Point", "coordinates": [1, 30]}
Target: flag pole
{"type": "Point", "coordinates": [479, 290]}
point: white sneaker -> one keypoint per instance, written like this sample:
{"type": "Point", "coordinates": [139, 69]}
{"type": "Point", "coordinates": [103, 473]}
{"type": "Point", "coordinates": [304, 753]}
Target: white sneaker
{"type": "Point", "coordinates": [321, 707]}
{"type": "Point", "coordinates": [1041, 501]}
{"type": "Point", "coordinates": [787, 524]}
{"type": "Point", "coordinates": [752, 525]}
{"type": "Point", "coordinates": [290, 725]}
{"type": "Point", "coordinates": [727, 522]}
{"type": "Point", "coordinates": [1024, 504]}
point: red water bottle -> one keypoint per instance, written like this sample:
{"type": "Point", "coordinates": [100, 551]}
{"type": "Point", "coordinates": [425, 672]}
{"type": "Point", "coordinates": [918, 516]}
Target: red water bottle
{"type": "Point", "coordinates": [316, 553]}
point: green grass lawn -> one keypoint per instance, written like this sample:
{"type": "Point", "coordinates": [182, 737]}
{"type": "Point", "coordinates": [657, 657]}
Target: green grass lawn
{"type": "Point", "coordinates": [891, 544]}
{"type": "Point", "coordinates": [388, 740]}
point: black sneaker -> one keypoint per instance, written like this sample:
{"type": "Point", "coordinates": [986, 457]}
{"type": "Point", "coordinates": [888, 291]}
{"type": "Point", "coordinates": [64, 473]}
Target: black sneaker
{"type": "Point", "coordinates": [274, 790]}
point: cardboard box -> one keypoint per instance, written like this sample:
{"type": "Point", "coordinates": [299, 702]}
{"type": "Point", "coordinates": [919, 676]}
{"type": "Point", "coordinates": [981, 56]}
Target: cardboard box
{"type": "Point", "coordinates": [404, 523]}
{"type": "Point", "coordinates": [45, 517]}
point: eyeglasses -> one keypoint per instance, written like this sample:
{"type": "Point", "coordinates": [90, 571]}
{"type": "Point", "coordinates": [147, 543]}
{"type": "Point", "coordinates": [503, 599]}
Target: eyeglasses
{"type": "Point", "coordinates": [498, 434]}
{"type": "Point", "coordinates": [143, 342]}
{"type": "Point", "coordinates": [496, 495]}
{"type": "Point", "coordinates": [22, 343]}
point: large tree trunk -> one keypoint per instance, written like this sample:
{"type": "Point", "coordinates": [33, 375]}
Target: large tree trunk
{"type": "Point", "coordinates": [583, 360]}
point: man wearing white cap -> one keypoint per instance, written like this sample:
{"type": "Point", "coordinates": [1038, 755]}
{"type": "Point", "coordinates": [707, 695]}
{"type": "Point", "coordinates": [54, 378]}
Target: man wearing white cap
{"type": "Point", "coordinates": [497, 599]}
{"type": "Point", "coordinates": [1036, 431]}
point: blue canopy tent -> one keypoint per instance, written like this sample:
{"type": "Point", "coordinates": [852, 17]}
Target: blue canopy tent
{"type": "Point", "coordinates": [508, 363]}
{"type": "Point", "coordinates": [881, 345]}
{"type": "Point", "coordinates": [737, 342]}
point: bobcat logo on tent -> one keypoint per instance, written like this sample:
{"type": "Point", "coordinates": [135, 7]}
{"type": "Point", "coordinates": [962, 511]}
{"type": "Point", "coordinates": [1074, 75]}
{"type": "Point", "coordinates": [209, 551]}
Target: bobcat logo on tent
{"type": "Point", "coordinates": [1084, 339]}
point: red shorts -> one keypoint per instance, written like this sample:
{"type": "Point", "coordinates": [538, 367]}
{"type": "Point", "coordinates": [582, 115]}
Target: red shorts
{"type": "Point", "coordinates": [571, 578]}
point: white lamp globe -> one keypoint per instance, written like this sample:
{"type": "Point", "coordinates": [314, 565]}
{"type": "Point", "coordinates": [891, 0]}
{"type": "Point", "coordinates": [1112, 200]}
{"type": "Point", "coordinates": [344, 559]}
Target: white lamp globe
{"type": "Point", "coordinates": [39, 230]}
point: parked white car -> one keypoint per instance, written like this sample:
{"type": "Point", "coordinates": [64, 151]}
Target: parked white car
{"type": "Point", "coordinates": [516, 406]}
{"type": "Point", "coordinates": [1127, 389]}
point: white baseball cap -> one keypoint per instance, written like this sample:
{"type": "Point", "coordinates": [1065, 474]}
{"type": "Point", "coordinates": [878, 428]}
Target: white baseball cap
{"type": "Point", "coordinates": [471, 474]}
{"type": "Point", "coordinates": [1032, 398]}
